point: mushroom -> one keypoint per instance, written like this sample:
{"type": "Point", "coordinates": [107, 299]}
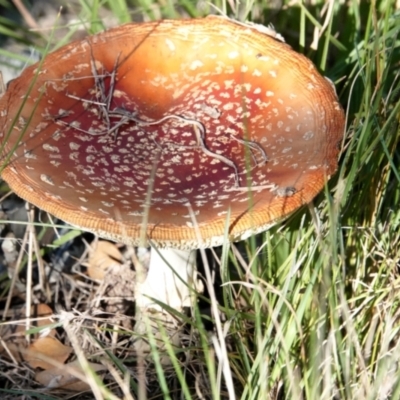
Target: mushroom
{"type": "Point", "coordinates": [167, 132]}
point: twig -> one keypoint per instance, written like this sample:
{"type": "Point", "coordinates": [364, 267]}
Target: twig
{"type": "Point", "coordinates": [30, 21]}
{"type": "Point", "coordinates": [28, 301]}
{"type": "Point", "coordinates": [15, 275]}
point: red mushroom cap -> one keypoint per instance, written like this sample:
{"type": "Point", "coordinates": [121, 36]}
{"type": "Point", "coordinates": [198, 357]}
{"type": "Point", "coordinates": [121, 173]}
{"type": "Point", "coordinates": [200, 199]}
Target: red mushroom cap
{"type": "Point", "coordinates": [161, 126]}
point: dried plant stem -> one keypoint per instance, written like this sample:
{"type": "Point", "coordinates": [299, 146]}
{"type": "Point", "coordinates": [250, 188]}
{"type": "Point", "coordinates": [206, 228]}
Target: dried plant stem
{"type": "Point", "coordinates": [15, 275]}
{"type": "Point", "coordinates": [30, 21]}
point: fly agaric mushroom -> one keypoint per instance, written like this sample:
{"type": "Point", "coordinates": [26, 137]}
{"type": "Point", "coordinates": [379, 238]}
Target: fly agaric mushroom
{"type": "Point", "coordinates": [162, 131]}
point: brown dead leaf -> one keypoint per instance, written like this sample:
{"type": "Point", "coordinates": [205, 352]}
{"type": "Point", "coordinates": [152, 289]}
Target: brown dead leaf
{"type": "Point", "coordinates": [64, 378]}
{"type": "Point", "coordinates": [12, 332]}
{"type": "Point", "coordinates": [44, 350]}
{"type": "Point", "coordinates": [16, 318]}
{"type": "Point", "coordinates": [102, 257]}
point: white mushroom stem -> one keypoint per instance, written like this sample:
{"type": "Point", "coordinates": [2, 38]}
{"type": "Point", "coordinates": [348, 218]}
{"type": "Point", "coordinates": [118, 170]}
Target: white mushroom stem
{"type": "Point", "coordinates": [171, 279]}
